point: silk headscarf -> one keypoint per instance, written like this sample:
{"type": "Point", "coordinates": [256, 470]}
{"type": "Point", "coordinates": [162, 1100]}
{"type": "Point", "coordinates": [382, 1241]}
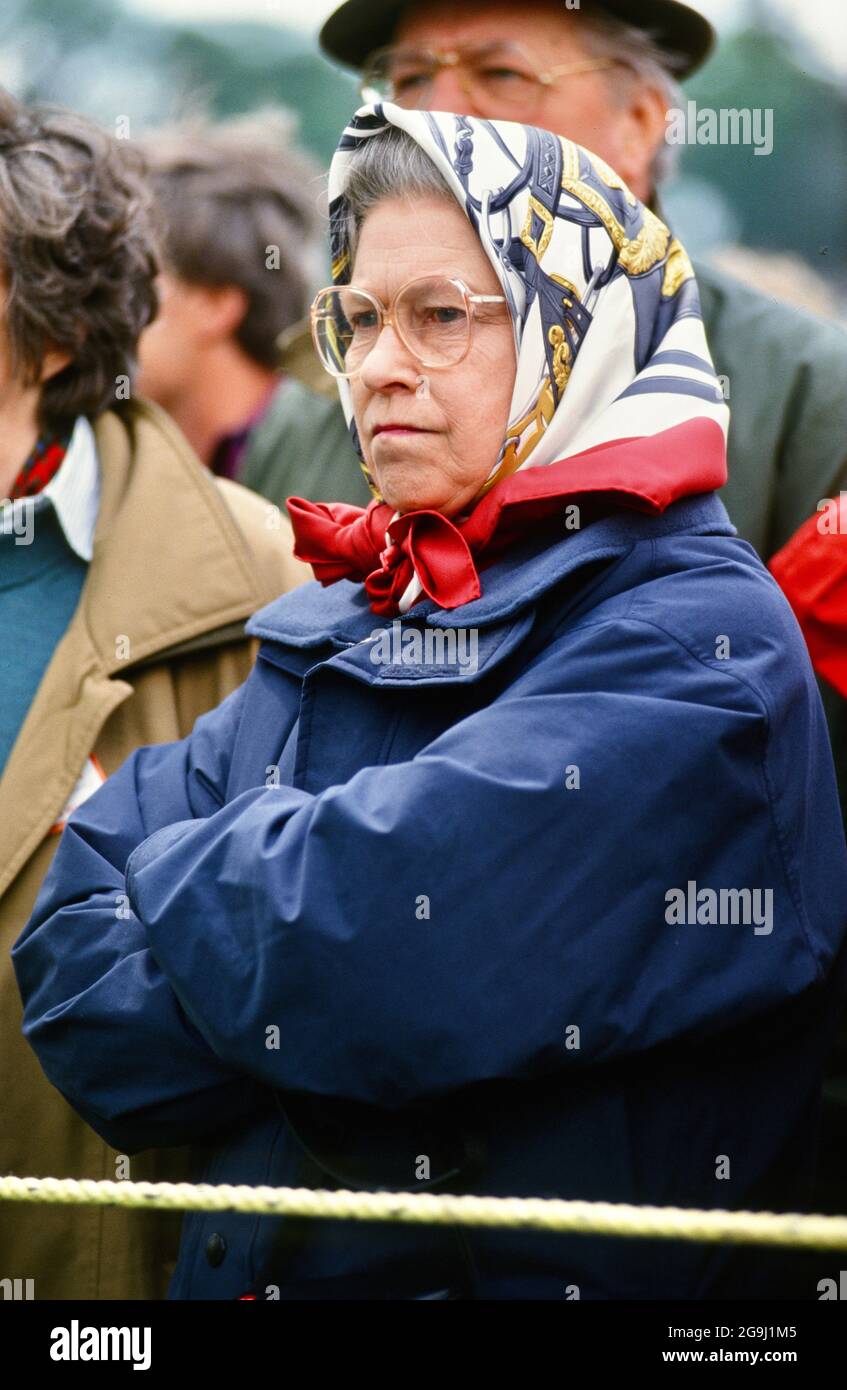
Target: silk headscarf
{"type": "Point", "coordinates": [615, 392]}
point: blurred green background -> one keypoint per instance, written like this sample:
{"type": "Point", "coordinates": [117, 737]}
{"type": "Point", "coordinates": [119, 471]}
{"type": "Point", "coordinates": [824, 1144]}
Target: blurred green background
{"type": "Point", "coordinates": [112, 61]}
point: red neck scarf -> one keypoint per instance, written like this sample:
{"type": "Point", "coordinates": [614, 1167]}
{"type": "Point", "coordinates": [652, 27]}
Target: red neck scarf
{"type": "Point", "coordinates": [443, 557]}
{"type": "Point", "coordinates": [42, 465]}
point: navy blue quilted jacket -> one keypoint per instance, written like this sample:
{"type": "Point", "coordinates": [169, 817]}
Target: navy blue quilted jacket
{"type": "Point", "coordinates": [551, 904]}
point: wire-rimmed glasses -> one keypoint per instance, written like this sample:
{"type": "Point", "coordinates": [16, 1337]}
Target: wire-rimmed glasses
{"type": "Point", "coordinates": [431, 314]}
{"type": "Point", "coordinates": [500, 79]}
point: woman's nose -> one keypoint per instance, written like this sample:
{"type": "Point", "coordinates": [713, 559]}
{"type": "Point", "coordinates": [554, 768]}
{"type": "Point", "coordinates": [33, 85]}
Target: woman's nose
{"type": "Point", "coordinates": [389, 362]}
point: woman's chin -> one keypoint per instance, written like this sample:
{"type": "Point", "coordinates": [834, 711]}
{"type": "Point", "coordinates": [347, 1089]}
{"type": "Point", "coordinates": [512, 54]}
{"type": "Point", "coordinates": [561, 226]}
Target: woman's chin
{"type": "Point", "coordinates": [403, 488]}
{"type": "Point", "coordinates": [414, 503]}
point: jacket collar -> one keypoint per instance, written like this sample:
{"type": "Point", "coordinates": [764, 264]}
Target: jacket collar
{"type": "Point", "coordinates": [73, 491]}
{"type": "Point", "coordinates": [340, 614]}
{"type": "Point", "coordinates": [142, 586]}
{"type": "Point", "coordinates": [142, 595]}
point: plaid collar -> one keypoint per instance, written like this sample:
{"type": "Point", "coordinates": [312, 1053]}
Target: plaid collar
{"type": "Point", "coordinates": [69, 481]}
{"type": "Point", "coordinates": [42, 465]}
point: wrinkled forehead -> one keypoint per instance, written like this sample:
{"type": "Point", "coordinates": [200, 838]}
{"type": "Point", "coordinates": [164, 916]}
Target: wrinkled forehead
{"type": "Point", "coordinates": [432, 235]}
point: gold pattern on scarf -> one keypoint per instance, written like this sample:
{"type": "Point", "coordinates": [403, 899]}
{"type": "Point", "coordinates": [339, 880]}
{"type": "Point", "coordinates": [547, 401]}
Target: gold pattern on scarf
{"type": "Point", "coordinates": [573, 292]}
{"type": "Point", "coordinates": [570, 159]}
{"type": "Point", "coordinates": [339, 264]}
{"type": "Point", "coordinates": [677, 271]}
{"type": "Point", "coordinates": [366, 473]}
{"type": "Point", "coordinates": [558, 339]}
{"type": "Point", "coordinates": [533, 424]}
{"type": "Point", "coordinates": [527, 238]}
{"type": "Point", "coordinates": [638, 254]}
{"type": "Point", "coordinates": [562, 356]}
{"type": "Point", "coordinates": [611, 179]}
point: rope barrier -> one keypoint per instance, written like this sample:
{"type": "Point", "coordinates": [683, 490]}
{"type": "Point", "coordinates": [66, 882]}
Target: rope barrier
{"type": "Point", "coordinates": [514, 1213]}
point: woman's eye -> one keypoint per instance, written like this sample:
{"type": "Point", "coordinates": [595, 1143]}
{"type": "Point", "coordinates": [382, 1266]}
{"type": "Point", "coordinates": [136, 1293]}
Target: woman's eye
{"type": "Point", "coordinates": [363, 320]}
{"type": "Point", "coordinates": [446, 314]}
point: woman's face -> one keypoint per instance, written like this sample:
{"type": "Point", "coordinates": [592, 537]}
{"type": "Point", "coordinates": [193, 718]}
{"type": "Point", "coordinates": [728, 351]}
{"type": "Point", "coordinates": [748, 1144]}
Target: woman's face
{"type": "Point", "coordinates": [456, 417]}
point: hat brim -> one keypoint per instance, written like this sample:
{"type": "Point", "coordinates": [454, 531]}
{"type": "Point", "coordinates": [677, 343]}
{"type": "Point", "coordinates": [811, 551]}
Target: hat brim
{"type": "Point", "coordinates": [357, 27]}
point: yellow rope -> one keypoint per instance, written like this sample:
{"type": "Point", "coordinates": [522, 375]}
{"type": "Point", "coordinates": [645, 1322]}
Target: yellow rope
{"type": "Point", "coordinates": [526, 1213]}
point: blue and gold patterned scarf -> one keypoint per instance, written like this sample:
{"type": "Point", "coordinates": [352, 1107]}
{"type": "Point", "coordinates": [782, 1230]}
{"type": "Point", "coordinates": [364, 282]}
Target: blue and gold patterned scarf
{"type": "Point", "coordinates": [615, 391]}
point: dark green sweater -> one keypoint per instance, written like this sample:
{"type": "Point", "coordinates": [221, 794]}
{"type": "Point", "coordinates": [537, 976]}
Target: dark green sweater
{"type": "Point", "coordinates": [40, 585]}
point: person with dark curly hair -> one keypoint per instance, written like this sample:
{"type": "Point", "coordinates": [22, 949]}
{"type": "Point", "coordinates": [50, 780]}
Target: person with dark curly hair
{"type": "Point", "coordinates": [126, 574]}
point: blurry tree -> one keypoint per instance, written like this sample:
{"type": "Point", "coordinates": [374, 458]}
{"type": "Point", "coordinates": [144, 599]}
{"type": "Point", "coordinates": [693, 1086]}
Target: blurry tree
{"type": "Point", "coordinates": [796, 197]}
{"type": "Point", "coordinates": [110, 61]}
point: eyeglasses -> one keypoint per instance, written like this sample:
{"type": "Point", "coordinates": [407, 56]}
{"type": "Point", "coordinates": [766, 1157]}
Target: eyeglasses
{"type": "Point", "coordinates": [431, 315]}
{"type": "Point", "coordinates": [503, 78]}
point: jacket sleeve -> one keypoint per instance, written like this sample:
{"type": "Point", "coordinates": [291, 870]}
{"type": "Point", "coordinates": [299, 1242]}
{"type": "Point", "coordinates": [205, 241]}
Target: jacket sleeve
{"type": "Point", "coordinates": [455, 917]}
{"type": "Point", "coordinates": [108, 1029]}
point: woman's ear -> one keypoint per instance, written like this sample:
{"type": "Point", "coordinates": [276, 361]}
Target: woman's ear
{"type": "Point", "coordinates": [54, 361]}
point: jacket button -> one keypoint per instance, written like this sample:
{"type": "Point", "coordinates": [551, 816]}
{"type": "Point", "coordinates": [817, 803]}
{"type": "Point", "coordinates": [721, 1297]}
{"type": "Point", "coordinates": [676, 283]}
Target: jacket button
{"type": "Point", "coordinates": [215, 1249]}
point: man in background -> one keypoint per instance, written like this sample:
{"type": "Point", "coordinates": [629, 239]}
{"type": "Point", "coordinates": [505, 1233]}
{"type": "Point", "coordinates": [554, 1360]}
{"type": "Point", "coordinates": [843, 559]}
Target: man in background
{"type": "Point", "coordinates": [244, 251]}
{"type": "Point", "coordinates": [605, 75]}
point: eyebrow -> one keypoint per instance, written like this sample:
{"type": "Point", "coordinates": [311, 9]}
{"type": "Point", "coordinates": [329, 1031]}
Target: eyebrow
{"type": "Point", "coordinates": [480, 46]}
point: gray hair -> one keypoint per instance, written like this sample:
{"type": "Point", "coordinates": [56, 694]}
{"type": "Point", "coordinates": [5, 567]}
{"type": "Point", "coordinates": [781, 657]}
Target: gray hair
{"type": "Point", "coordinates": [391, 164]}
{"type": "Point", "coordinates": [650, 64]}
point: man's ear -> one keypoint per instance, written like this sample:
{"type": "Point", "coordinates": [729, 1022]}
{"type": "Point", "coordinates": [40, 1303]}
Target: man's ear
{"type": "Point", "coordinates": [220, 309]}
{"type": "Point", "coordinates": [643, 125]}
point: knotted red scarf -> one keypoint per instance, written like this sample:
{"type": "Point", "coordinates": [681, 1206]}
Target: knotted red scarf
{"type": "Point", "coordinates": [647, 474]}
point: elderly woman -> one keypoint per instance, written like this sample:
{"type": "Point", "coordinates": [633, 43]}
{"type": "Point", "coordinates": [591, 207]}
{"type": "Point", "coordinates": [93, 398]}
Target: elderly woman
{"type": "Point", "coordinates": [534, 884]}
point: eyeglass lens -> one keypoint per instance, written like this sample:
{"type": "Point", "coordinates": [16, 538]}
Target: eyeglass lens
{"type": "Point", "coordinates": [500, 73]}
{"type": "Point", "coordinates": [430, 315]}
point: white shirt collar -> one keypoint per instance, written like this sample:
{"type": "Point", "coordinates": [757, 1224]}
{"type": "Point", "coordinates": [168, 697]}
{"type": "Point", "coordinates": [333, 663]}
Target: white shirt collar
{"type": "Point", "coordinates": [74, 491]}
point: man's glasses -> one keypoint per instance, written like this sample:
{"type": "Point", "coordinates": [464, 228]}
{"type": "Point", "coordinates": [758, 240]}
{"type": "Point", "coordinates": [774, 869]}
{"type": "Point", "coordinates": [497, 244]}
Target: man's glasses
{"type": "Point", "coordinates": [499, 79]}
{"type": "Point", "coordinates": [432, 315]}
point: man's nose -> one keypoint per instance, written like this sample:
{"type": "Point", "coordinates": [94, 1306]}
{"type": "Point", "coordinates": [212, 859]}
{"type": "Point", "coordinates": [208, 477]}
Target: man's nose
{"type": "Point", "coordinates": [446, 92]}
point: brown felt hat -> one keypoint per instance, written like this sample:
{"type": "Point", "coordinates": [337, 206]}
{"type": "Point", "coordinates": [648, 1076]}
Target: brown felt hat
{"type": "Point", "coordinates": [357, 27]}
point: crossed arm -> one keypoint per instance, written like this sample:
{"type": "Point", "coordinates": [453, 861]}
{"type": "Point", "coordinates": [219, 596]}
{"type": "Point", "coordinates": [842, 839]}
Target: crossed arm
{"type": "Point", "coordinates": [423, 925]}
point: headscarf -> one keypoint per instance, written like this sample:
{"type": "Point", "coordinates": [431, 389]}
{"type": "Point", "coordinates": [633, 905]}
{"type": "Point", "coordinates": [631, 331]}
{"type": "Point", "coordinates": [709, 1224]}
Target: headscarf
{"type": "Point", "coordinates": [615, 395]}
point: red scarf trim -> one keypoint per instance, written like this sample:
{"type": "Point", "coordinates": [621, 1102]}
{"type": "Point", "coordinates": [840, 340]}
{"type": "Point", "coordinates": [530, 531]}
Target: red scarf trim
{"type": "Point", "coordinates": [345, 542]}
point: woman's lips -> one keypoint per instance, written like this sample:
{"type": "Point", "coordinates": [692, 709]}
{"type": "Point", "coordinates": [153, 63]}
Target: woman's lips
{"type": "Point", "coordinates": [398, 429]}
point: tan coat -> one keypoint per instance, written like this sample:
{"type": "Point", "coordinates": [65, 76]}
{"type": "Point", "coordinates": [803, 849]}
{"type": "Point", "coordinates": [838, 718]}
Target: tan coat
{"type": "Point", "coordinates": [180, 561]}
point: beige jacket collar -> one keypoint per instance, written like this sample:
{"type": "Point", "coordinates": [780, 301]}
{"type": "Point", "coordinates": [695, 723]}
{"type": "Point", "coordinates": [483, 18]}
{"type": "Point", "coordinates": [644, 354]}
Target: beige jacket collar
{"type": "Point", "coordinates": [169, 563]}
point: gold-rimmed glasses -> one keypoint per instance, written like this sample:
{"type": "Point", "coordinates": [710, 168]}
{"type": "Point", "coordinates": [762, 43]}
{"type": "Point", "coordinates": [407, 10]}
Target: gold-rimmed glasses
{"type": "Point", "coordinates": [501, 78]}
{"type": "Point", "coordinates": [431, 314]}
